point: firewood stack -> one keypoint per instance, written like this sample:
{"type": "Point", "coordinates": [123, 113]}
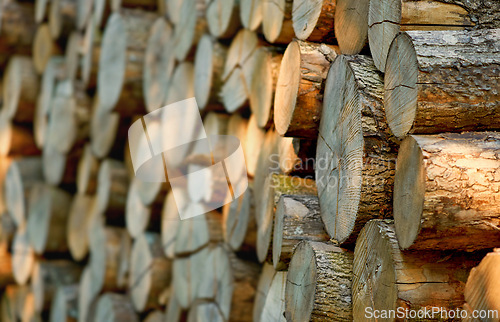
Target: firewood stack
{"type": "Point", "coordinates": [371, 136]}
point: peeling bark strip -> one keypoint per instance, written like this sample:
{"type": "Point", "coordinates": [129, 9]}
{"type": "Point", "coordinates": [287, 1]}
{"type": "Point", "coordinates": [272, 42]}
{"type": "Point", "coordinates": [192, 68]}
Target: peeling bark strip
{"type": "Point", "coordinates": [318, 284]}
{"type": "Point", "coordinates": [449, 84]}
{"type": "Point", "coordinates": [385, 278]}
{"type": "Point", "coordinates": [356, 152]}
{"type": "Point", "coordinates": [447, 191]}
{"type": "Point", "coordinates": [386, 18]}
{"type": "Point", "coordinates": [299, 90]}
{"type": "Point", "coordinates": [481, 290]}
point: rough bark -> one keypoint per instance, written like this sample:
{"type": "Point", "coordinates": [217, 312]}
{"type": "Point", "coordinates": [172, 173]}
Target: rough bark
{"type": "Point", "coordinates": [297, 218]}
{"type": "Point", "coordinates": [299, 90]}
{"type": "Point", "coordinates": [447, 85]}
{"type": "Point", "coordinates": [356, 151]}
{"type": "Point", "coordinates": [318, 286]}
{"type": "Point", "coordinates": [446, 191]}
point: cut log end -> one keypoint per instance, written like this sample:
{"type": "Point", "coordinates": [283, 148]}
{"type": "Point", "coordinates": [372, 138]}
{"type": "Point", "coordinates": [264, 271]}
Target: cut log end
{"type": "Point", "coordinates": [351, 25]}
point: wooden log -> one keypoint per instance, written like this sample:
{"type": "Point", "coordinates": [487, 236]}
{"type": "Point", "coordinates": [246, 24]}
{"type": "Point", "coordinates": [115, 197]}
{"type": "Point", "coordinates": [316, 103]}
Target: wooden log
{"type": "Point", "coordinates": [59, 168]}
{"type": "Point", "coordinates": [251, 14]}
{"type": "Point", "coordinates": [83, 13]}
{"type": "Point", "coordinates": [482, 287]}
{"type": "Point", "coordinates": [72, 55]}
{"type": "Point", "coordinates": [446, 191]}
{"type": "Point", "coordinates": [186, 278]}
{"type": "Point", "coordinates": [173, 9]}
{"type": "Point", "coordinates": [17, 30]}
{"type": "Point", "coordinates": [138, 216]}
{"type": "Point", "coordinates": [181, 86]}
{"type": "Point", "coordinates": [150, 5]}
{"type": "Point", "coordinates": [12, 302]}
{"type": "Point", "coordinates": [112, 187]}
{"type": "Point", "coordinates": [65, 304]}
{"type": "Point", "coordinates": [121, 61]}
{"type": "Point", "coordinates": [296, 218]}
{"type": "Point", "coordinates": [23, 256]}
{"type": "Point", "coordinates": [6, 272]}
{"type": "Point", "coordinates": [158, 64]}
{"type": "Point", "coordinates": [48, 218]}
{"type": "Point", "coordinates": [387, 18]}
{"type": "Point", "coordinates": [274, 305]}
{"type": "Point", "coordinates": [299, 91]}
{"type": "Point", "coordinates": [90, 50]}
{"type": "Point", "coordinates": [434, 95]}
{"type": "Point", "coordinates": [115, 307]}
{"type": "Point", "coordinates": [318, 285]}
{"type": "Point", "coordinates": [313, 21]}
{"type": "Point", "coordinates": [47, 277]}
{"type": "Point", "coordinates": [205, 311]}
{"type": "Point", "coordinates": [62, 18]}
{"type": "Point", "coordinates": [263, 86]}
{"type": "Point", "coordinates": [7, 229]}
{"type": "Point", "coordinates": [78, 222]}
{"type": "Point", "coordinates": [4, 168]}
{"type": "Point", "coordinates": [87, 295]}
{"type": "Point", "coordinates": [254, 139]}
{"type": "Point", "coordinates": [87, 171]}
{"type": "Point", "coordinates": [238, 222]}
{"type": "Point", "coordinates": [242, 47]}
{"type": "Point", "coordinates": [170, 221]}
{"type": "Point", "coordinates": [149, 271]}
{"type": "Point", "coordinates": [355, 165]}
{"type": "Point", "coordinates": [208, 67]}
{"type": "Point", "coordinates": [277, 25]}
{"type": "Point", "coordinates": [263, 285]}
{"type": "Point", "coordinates": [20, 89]}
{"type": "Point", "coordinates": [296, 156]}
{"type": "Point", "coordinates": [16, 140]}
{"type": "Point", "coordinates": [155, 316]}
{"type": "Point", "coordinates": [223, 18]}
{"type": "Point", "coordinates": [189, 29]}
{"type": "Point", "coordinates": [351, 25]}
{"type": "Point", "coordinates": [41, 10]}
{"type": "Point", "coordinates": [274, 187]}
{"type": "Point", "coordinates": [27, 311]}
{"type": "Point", "coordinates": [173, 311]}
{"type": "Point", "coordinates": [234, 93]}
{"type": "Point", "coordinates": [44, 47]}
{"type": "Point", "coordinates": [104, 128]}
{"type": "Point", "coordinates": [195, 233]}
{"type": "Point", "coordinates": [22, 175]}
{"type": "Point", "coordinates": [385, 278]}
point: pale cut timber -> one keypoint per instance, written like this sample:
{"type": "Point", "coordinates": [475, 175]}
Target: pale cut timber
{"type": "Point", "coordinates": [188, 31]}
{"type": "Point", "coordinates": [170, 220]}
{"type": "Point", "coordinates": [173, 10]}
{"type": "Point", "coordinates": [296, 156]}
{"type": "Point", "coordinates": [237, 126]}
{"type": "Point", "coordinates": [23, 256]}
{"type": "Point", "coordinates": [277, 25]}
{"type": "Point", "coordinates": [17, 30]}
{"type": "Point", "coordinates": [137, 214]}
{"type": "Point", "coordinates": [223, 18]}
{"type": "Point", "coordinates": [150, 271]}
{"type": "Point", "coordinates": [197, 232]}
{"type": "Point", "coordinates": [41, 10]}
{"type": "Point", "coordinates": [216, 123]}
{"type": "Point", "coordinates": [48, 276]}
{"type": "Point", "coordinates": [356, 152]}
{"type": "Point", "coordinates": [254, 139]}
{"type": "Point", "coordinates": [90, 50]}
{"type": "Point", "coordinates": [103, 130]}
{"type": "Point", "coordinates": [263, 86]}
{"type": "Point", "coordinates": [22, 174]}
{"type": "Point", "coordinates": [351, 25]}
{"type": "Point", "coordinates": [158, 64]}
{"type": "Point", "coordinates": [6, 272]}
{"type": "Point", "coordinates": [446, 191]}
{"type": "Point", "coordinates": [115, 307]}
{"type": "Point", "coordinates": [87, 295]}
{"type": "Point", "coordinates": [238, 222]}
{"type": "Point", "coordinates": [27, 312]}
{"type": "Point", "coordinates": [77, 227]}
{"type": "Point", "coordinates": [65, 304]}
{"type": "Point", "coordinates": [87, 171]}
{"type": "Point", "coordinates": [72, 55]}
{"type": "Point", "coordinates": [387, 18]}
{"type": "Point", "coordinates": [4, 168]}
{"type": "Point", "coordinates": [385, 278]}
{"type": "Point", "coordinates": [208, 67]}
{"type": "Point", "coordinates": [44, 47]}
{"type": "Point", "coordinates": [205, 311]}
{"type": "Point", "coordinates": [12, 302]}
{"type": "Point", "coordinates": [48, 218]}
{"type": "Point", "coordinates": [318, 286]}
{"type": "Point", "coordinates": [181, 86]}
{"type": "Point", "coordinates": [313, 20]}
{"type": "Point", "coordinates": [20, 89]}
{"type": "Point", "coordinates": [297, 218]}
{"type": "Point", "coordinates": [62, 18]}
{"type": "Point", "coordinates": [174, 312]}
{"type": "Point", "coordinates": [274, 305]}
{"type": "Point", "coordinates": [109, 257]}
{"type": "Point", "coordinates": [112, 186]}
{"type": "Point", "coordinates": [121, 61]}
{"type": "Point", "coordinates": [263, 285]}
{"type": "Point", "coordinates": [83, 13]}
{"type": "Point", "coordinates": [274, 187]}
{"type": "Point", "coordinates": [186, 276]}
{"type": "Point", "coordinates": [16, 140]}
{"type": "Point", "coordinates": [481, 290]}
{"type": "Point", "coordinates": [299, 90]}
{"type": "Point", "coordinates": [251, 13]}
{"type": "Point", "coordinates": [446, 86]}
{"type": "Point", "coordinates": [243, 45]}
{"type": "Point", "coordinates": [155, 316]}
{"type": "Point", "coordinates": [59, 168]}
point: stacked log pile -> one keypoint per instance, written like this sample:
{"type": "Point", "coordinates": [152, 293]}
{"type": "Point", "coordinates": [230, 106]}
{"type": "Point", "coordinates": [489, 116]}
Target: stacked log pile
{"type": "Point", "coordinates": [370, 133]}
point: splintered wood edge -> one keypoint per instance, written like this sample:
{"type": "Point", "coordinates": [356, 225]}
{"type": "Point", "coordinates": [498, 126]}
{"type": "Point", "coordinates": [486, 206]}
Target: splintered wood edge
{"type": "Point", "coordinates": [340, 153]}
{"type": "Point", "coordinates": [400, 84]}
{"type": "Point", "coordinates": [351, 25]}
{"type": "Point", "coordinates": [287, 88]}
{"type": "Point", "coordinates": [409, 190]}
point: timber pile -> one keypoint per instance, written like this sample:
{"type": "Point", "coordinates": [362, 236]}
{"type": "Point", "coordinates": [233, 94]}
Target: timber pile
{"type": "Point", "coordinates": [370, 135]}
